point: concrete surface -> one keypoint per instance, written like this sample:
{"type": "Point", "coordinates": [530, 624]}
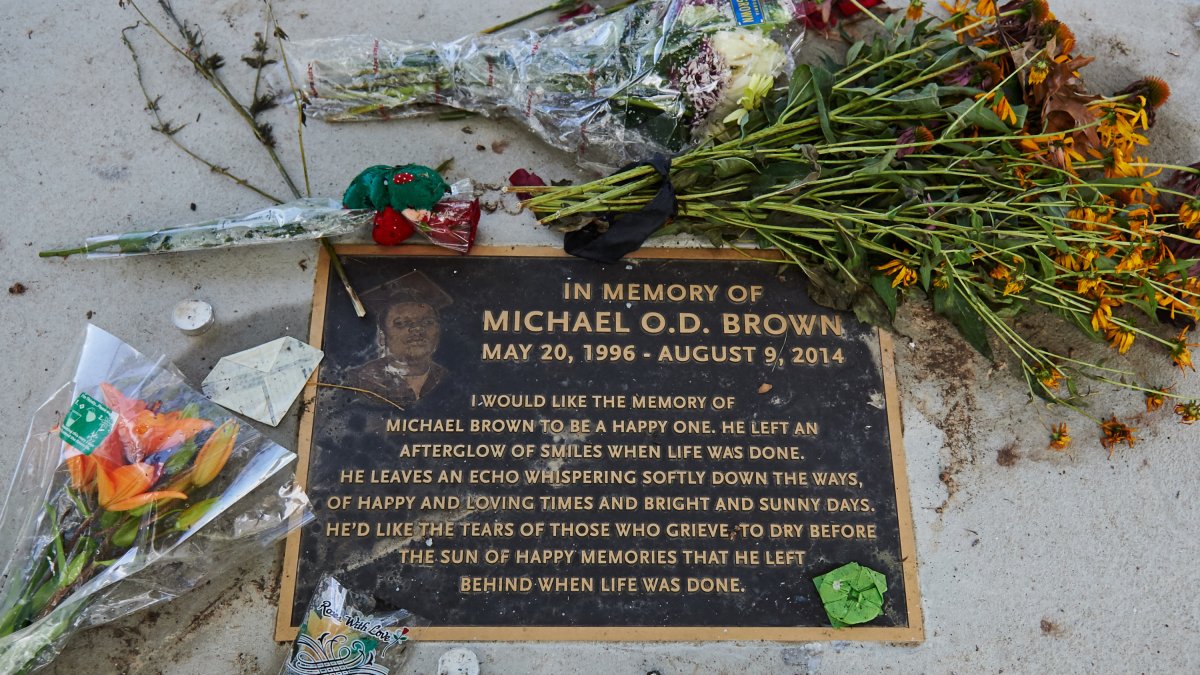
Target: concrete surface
{"type": "Point", "coordinates": [1030, 561]}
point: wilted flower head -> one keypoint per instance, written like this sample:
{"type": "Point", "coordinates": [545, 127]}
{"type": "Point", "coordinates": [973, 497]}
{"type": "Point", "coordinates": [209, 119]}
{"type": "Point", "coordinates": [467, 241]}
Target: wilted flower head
{"type": "Point", "coordinates": [1114, 432]}
{"type": "Point", "coordinates": [702, 81]}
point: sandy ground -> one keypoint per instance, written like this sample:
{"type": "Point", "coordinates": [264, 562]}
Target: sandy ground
{"type": "Point", "coordinates": [1030, 561]}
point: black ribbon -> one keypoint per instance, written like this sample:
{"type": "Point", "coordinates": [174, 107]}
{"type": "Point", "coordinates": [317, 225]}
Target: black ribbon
{"type": "Point", "coordinates": [626, 231]}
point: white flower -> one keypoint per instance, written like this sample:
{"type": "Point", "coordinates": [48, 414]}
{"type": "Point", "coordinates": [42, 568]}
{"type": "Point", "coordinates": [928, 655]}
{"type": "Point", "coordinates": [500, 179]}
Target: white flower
{"type": "Point", "coordinates": [756, 91]}
{"type": "Point", "coordinates": [735, 117]}
{"type": "Point", "coordinates": [750, 57]}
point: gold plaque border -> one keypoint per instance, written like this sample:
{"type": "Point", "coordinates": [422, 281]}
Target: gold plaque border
{"type": "Point", "coordinates": [914, 632]}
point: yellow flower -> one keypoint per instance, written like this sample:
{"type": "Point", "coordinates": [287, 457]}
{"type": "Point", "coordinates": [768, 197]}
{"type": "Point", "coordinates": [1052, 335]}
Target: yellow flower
{"type": "Point", "coordinates": [1139, 219]}
{"type": "Point", "coordinates": [1116, 163]}
{"type": "Point", "coordinates": [1060, 437]}
{"type": "Point", "coordinates": [1155, 399]}
{"type": "Point", "coordinates": [1181, 354]}
{"type": "Point", "coordinates": [1173, 304]}
{"type": "Point", "coordinates": [1119, 338]}
{"type": "Point", "coordinates": [756, 90]}
{"type": "Point", "coordinates": [1091, 286]}
{"type": "Point", "coordinates": [1062, 151]}
{"type": "Point", "coordinates": [736, 116]}
{"type": "Point", "coordinates": [1188, 412]}
{"type": "Point", "coordinates": [1102, 314]}
{"type": "Point", "coordinates": [1118, 126]}
{"type": "Point", "coordinates": [1133, 262]}
{"type": "Point", "coordinates": [1113, 433]}
{"type": "Point", "coordinates": [1189, 214]}
{"type": "Point", "coordinates": [915, 9]}
{"type": "Point", "coordinates": [986, 8]}
{"type": "Point", "coordinates": [1082, 218]}
{"type": "Point", "coordinates": [1068, 261]}
{"type": "Point", "coordinates": [1000, 106]}
{"type": "Point", "coordinates": [1038, 71]}
{"type": "Point", "coordinates": [902, 274]}
{"type": "Point", "coordinates": [1050, 377]}
{"type": "Point", "coordinates": [960, 14]}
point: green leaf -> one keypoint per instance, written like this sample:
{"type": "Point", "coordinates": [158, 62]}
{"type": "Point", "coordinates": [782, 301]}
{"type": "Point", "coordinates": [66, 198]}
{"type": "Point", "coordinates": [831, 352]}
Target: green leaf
{"type": "Point", "coordinates": [110, 518]}
{"type": "Point", "coordinates": [823, 81]}
{"type": "Point", "coordinates": [732, 166]}
{"type": "Point", "coordinates": [71, 572]}
{"type": "Point", "coordinates": [880, 165]}
{"type": "Point", "coordinates": [826, 290]}
{"type": "Point", "coordinates": [886, 292]}
{"type": "Point", "coordinates": [127, 533]}
{"type": "Point", "coordinates": [950, 304]}
{"type": "Point", "coordinates": [801, 89]}
{"type": "Point", "coordinates": [854, 51]}
{"type": "Point", "coordinates": [1047, 265]}
{"type": "Point", "coordinates": [918, 101]}
{"type": "Point", "coordinates": [870, 309]}
{"type": "Point", "coordinates": [42, 596]}
{"type": "Point", "coordinates": [192, 514]}
{"type": "Point", "coordinates": [180, 460]}
{"type": "Point", "coordinates": [977, 114]}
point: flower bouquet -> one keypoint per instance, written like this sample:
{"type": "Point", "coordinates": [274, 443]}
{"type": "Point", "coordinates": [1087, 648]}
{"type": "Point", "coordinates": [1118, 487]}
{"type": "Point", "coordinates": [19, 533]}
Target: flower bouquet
{"type": "Point", "coordinates": [299, 220]}
{"type": "Point", "coordinates": [962, 158]}
{"type": "Point", "coordinates": [131, 489]}
{"type": "Point", "coordinates": [649, 79]}
{"type": "Point", "coordinates": [446, 215]}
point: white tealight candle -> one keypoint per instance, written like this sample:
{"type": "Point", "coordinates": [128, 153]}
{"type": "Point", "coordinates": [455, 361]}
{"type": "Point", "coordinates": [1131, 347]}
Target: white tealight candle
{"type": "Point", "coordinates": [193, 317]}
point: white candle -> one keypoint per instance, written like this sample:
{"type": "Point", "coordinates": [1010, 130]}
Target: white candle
{"type": "Point", "coordinates": [193, 317]}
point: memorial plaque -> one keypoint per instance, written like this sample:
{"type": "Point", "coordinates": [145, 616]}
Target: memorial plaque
{"type": "Point", "coordinates": [669, 448]}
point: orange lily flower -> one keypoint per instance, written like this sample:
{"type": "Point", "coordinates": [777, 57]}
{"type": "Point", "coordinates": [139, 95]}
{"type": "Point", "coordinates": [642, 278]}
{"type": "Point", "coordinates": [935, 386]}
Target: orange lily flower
{"type": "Point", "coordinates": [145, 432]}
{"type": "Point", "coordinates": [126, 487]}
{"type": "Point", "coordinates": [212, 457]}
{"type": "Point", "coordinates": [83, 467]}
{"type": "Point", "coordinates": [115, 469]}
{"type": "Point", "coordinates": [83, 472]}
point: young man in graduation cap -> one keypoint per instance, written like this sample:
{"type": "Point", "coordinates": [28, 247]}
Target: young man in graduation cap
{"type": "Point", "coordinates": [407, 311]}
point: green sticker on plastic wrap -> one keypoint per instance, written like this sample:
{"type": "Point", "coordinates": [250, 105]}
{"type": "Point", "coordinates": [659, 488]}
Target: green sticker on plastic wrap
{"type": "Point", "coordinates": [87, 424]}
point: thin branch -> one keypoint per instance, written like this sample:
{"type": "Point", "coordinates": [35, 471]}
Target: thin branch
{"type": "Point", "coordinates": [368, 392]}
{"type": "Point", "coordinates": [165, 127]}
{"type": "Point", "coordinates": [334, 259]}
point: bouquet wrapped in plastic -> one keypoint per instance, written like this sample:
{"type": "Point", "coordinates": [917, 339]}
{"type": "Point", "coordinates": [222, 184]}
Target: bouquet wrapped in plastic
{"type": "Point", "coordinates": [131, 489]}
{"type": "Point", "coordinates": [450, 219]}
{"type": "Point", "coordinates": [653, 78]}
{"type": "Point", "coordinates": [299, 220]}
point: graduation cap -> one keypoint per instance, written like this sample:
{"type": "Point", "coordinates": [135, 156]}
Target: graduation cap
{"type": "Point", "coordinates": [411, 287]}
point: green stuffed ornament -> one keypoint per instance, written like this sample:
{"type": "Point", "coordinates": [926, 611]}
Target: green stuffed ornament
{"type": "Point", "coordinates": [852, 594]}
{"type": "Point", "coordinates": [411, 186]}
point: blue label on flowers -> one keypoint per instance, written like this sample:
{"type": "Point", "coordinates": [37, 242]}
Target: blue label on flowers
{"type": "Point", "coordinates": [747, 12]}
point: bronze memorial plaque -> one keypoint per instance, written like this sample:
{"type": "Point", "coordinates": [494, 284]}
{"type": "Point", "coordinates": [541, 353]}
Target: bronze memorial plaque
{"type": "Point", "coordinates": [670, 448]}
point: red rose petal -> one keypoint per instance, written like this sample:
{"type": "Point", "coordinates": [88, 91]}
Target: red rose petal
{"type": "Point", "coordinates": [523, 178]}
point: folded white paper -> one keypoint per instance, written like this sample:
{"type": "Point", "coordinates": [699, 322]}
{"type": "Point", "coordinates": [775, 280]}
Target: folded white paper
{"type": "Point", "coordinates": [263, 382]}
